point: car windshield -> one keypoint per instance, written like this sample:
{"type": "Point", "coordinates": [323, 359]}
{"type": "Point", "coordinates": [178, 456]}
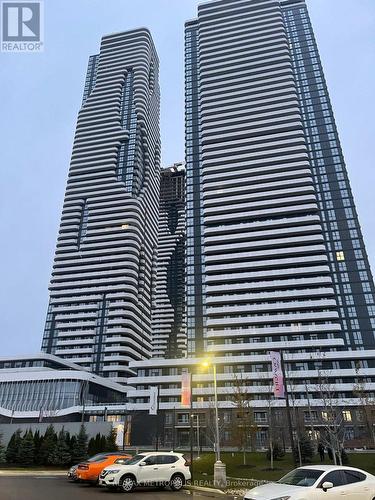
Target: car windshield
{"type": "Point", "coordinates": [301, 477]}
{"type": "Point", "coordinates": [134, 460]}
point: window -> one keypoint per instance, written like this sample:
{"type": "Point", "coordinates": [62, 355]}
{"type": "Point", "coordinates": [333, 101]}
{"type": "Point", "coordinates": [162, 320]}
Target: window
{"type": "Point", "coordinates": [349, 433]}
{"type": "Point", "coordinates": [342, 266]}
{"type": "Point", "coordinates": [352, 312]}
{"type": "Point", "coordinates": [369, 298]}
{"type": "Point", "coordinates": [114, 418]}
{"type": "Point", "coordinates": [363, 276]}
{"type": "Point", "coordinates": [227, 416]}
{"type": "Point", "coordinates": [311, 416]}
{"type": "Point", "coordinates": [183, 418]}
{"type": "Point", "coordinates": [347, 415]}
{"type": "Point", "coordinates": [336, 477]}
{"type": "Point", "coordinates": [121, 461]}
{"type": "Point", "coordinates": [166, 459]}
{"type": "Point", "coordinates": [301, 477]}
{"type": "Point", "coordinates": [353, 476]}
{"type": "Point", "coordinates": [357, 337]}
{"type": "Point", "coordinates": [152, 460]}
{"type": "Point", "coordinates": [260, 416]}
{"type": "Point", "coordinates": [340, 256]}
{"type": "Point", "coordinates": [97, 458]}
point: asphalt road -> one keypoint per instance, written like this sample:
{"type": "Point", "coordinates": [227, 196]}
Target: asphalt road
{"type": "Point", "coordinates": [58, 488]}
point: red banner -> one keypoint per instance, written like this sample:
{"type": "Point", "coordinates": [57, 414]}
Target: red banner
{"type": "Point", "coordinates": [277, 374]}
{"type": "Point", "coordinates": [186, 389]}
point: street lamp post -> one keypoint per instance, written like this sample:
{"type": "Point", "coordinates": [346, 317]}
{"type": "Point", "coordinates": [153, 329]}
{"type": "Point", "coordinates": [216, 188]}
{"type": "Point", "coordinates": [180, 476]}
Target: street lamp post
{"type": "Point", "coordinates": [198, 437]}
{"type": "Point", "coordinates": [288, 413]}
{"type": "Point", "coordinates": [191, 428]}
{"type": "Point", "coordinates": [220, 477]}
{"type": "Point", "coordinates": [217, 437]}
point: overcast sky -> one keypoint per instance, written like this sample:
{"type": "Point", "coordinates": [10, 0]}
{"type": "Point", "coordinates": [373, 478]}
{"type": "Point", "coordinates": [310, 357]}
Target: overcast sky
{"type": "Point", "coordinates": [40, 99]}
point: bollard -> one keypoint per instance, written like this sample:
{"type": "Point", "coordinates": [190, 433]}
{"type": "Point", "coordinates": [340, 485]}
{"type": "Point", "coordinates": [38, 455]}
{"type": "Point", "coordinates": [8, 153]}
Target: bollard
{"type": "Point", "coordinates": [220, 475]}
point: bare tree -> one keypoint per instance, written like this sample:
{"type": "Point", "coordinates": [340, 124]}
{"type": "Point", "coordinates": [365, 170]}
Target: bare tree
{"type": "Point", "coordinates": [367, 406]}
{"type": "Point", "coordinates": [332, 419]}
{"type": "Point", "coordinates": [313, 432]}
{"type": "Point", "coordinates": [244, 426]}
{"type": "Point", "coordinates": [210, 431]}
{"type": "Point", "coordinates": [292, 390]}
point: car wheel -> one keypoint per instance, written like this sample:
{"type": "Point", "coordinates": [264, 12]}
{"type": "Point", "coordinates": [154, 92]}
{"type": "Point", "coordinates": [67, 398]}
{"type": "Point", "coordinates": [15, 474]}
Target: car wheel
{"type": "Point", "coordinates": [127, 484]}
{"type": "Point", "coordinates": [177, 482]}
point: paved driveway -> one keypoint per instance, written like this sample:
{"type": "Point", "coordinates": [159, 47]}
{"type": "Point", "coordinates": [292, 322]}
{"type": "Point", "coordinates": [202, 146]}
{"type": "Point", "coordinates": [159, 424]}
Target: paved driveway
{"type": "Point", "coordinates": [58, 488]}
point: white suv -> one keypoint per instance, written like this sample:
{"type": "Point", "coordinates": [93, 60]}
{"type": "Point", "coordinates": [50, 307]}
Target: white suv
{"type": "Point", "coordinates": [147, 469]}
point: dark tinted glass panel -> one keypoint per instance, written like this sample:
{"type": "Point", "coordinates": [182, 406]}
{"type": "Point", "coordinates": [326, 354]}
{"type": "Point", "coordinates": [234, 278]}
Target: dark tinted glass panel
{"type": "Point", "coordinates": [151, 460]}
{"type": "Point", "coordinates": [335, 477]}
{"type": "Point", "coordinates": [352, 476]}
{"type": "Point", "coordinates": [97, 458]}
{"type": "Point", "coordinates": [168, 459]}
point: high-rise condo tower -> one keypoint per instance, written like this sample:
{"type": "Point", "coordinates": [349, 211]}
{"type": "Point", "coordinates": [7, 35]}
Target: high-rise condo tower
{"type": "Point", "coordinates": [99, 313]}
{"type": "Point", "coordinates": [275, 257]}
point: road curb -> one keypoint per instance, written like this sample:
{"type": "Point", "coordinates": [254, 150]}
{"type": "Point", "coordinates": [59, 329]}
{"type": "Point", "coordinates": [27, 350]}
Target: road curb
{"type": "Point", "coordinates": [207, 490]}
{"type": "Point", "coordinates": [32, 473]}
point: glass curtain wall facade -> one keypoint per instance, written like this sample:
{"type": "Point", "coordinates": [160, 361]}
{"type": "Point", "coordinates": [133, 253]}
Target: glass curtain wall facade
{"type": "Point", "coordinates": [45, 385]}
{"type": "Point", "coordinates": [348, 259]}
{"type": "Point", "coordinates": [54, 394]}
{"type": "Point", "coordinates": [168, 311]}
{"type": "Point", "coordinates": [99, 313]}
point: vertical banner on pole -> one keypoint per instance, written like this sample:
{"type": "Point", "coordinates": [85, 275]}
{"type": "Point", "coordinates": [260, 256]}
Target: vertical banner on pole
{"type": "Point", "coordinates": [154, 395]}
{"type": "Point", "coordinates": [277, 374]}
{"type": "Point", "coordinates": [186, 389]}
{"type": "Point", "coordinates": [119, 427]}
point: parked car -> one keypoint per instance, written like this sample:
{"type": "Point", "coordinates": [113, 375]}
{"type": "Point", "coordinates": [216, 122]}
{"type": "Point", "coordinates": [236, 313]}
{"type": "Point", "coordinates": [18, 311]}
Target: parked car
{"type": "Point", "coordinates": [316, 482]}
{"type": "Point", "coordinates": [89, 471]}
{"type": "Point", "coordinates": [72, 472]}
{"type": "Point", "coordinates": [147, 469]}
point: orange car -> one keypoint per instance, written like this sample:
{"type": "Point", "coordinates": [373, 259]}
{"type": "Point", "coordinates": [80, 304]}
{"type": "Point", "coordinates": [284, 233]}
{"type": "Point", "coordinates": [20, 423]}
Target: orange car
{"type": "Point", "coordinates": [89, 471]}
